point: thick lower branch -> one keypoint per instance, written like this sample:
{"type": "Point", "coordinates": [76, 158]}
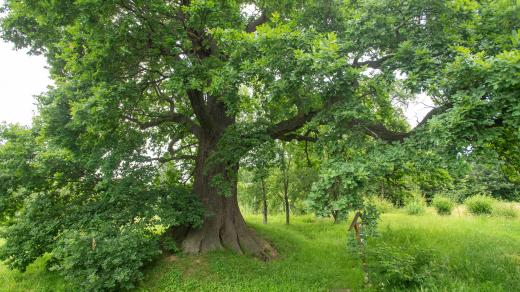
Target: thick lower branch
{"type": "Point", "coordinates": [377, 130]}
{"type": "Point", "coordinates": [251, 27]}
{"type": "Point", "coordinates": [374, 64]}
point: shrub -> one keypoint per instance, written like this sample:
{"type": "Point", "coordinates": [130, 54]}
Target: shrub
{"type": "Point", "coordinates": [443, 205]}
{"type": "Point", "coordinates": [382, 205]}
{"type": "Point", "coordinates": [102, 251]}
{"type": "Point", "coordinates": [392, 267]}
{"type": "Point", "coordinates": [110, 259]}
{"type": "Point", "coordinates": [480, 204]}
{"type": "Point", "coordinates": [168, 244]}
{"type": "Point", "coordinates": [308, 218]}
{"type": "Point", "coordinates": [505, 210]}
{"type": "Point", "coordinates": [416, 206]}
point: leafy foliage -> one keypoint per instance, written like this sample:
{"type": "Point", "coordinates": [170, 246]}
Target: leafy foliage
{"type": "Point", "coordinates": [480, 204]}
{"type": "Point", "coordinates": [416, 206]}
{"type": "Point", "coordinates": [104, 259]}
{"type": "Point", "coordinates": [488, 175]}
{"type": "Point", "coordinates": [154, 99]}
{"type": "Point", "coordinates": [392, 267]}
{"type": "Point", "coordinates": [382, 205]}
{"type": "Point", "coordinates": [71, 216]}
{"type": "Point", "coordinates": [338, 190]}
{"type": "Point", "coordinates": [443, 205]}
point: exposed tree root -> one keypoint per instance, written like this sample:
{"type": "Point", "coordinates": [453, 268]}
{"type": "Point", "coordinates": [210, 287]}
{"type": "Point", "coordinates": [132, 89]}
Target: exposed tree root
{"type": "Point", "coordinates": [227, 232]}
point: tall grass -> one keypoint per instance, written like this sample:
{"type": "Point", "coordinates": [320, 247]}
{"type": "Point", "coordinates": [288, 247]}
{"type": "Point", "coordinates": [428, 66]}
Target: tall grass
{"type": "Point", "coordinates": [469, 253]}
{"type": "Point", "coordinates": [506, 210]}
{"type": "Point", "coordinates": [457, 254]}
{"type": "Point", "coordinates": [36, 278]}
{"type": "Point", "coordinates": [442, 253]}
{"type": "Point", "coordinates": [415, 207]}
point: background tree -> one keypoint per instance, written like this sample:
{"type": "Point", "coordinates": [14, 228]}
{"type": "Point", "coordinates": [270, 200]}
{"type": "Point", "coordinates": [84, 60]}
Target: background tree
{"type": "Point", "coordinates": [285, 162]}
{"type": "Point", "coordinates": [258, 162]}
{"type": "Point", "coordinates": [282, 182]}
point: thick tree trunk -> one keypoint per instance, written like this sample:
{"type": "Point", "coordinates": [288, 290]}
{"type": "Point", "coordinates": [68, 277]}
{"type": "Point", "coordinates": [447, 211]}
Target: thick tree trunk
{"type": "Point", "coordinates": [264, 202]}
{"type": "Point", "coordinates": [223, 226]}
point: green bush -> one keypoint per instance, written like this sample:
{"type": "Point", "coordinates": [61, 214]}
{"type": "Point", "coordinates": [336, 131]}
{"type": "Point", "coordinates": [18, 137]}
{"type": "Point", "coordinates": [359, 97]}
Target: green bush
{"type": "Point", "coordinates": [168, 244]}
{"type": "Point", "coordinates": [108, 260]}
{"type": "Point", "coordinates": [392, 267]}
{"type": "Point", "coordinates": [443, 205]}
{"type": "Point", "coordinates": [100, 251]}
{"type": "Point", "coordinates": [382, 205]}
{"type": "Point", "coordinates": [505, 210]}
{"type": "Point", "coordinates": [480, 204]}
{"type": "Point", "coordinates": [416, 206]}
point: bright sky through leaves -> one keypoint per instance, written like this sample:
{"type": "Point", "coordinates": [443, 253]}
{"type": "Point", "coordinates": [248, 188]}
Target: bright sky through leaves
{"type": "Point", "coordinates": [22, 76]}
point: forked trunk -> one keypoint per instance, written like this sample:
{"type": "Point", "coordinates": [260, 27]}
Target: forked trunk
{"type": "Point", "coordinates": [223, 226]}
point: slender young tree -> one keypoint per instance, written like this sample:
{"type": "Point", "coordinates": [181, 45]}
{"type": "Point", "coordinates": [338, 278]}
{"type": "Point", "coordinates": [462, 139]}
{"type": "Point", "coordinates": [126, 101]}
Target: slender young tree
{"type": "Point", "coordinates": [285, 166]}
{"type": "Point", "coordinates": [264, 200]}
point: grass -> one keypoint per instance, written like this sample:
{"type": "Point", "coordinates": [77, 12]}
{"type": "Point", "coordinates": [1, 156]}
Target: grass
{"type": "Point", "coordinates": [474, 254]}
{"type": "Point", "coordinates": [34, 279]}
{"type": "Point", "coordinates": [312, 258]}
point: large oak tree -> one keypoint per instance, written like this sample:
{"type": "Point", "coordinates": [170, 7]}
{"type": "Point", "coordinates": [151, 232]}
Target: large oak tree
{"type": "Point", "coordinates": [195, 85]}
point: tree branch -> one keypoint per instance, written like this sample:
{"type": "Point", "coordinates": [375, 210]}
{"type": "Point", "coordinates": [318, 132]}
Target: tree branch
{"type": "Point", "coordinates": [290, 137]}
{"type": "Point", "coordinates": [379, 131]}
{"type": "Point", "coordinates": [436, 111]}
{"type": "Point", "coordinates": [163, 160]}
{"type": "Point", "coordinates": [251, 27]}
{"type": "Point", "coordinates": [178, 157]}
{"type": "Point", "coordinates": [168, 118]}
{"type": "Point", "coordinates": [283, 128]}
{"type": "Point", "coordinates": [374, 64]}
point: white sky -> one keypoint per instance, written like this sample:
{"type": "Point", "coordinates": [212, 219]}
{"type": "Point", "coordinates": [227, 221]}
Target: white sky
{"type": "Point", "coordinates": [23, 76]}
{"type": "Point", "coordinates": [416, 110]}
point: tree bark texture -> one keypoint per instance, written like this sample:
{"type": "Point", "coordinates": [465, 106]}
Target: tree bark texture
{"type": "Point", "coordinates": [223, 226]}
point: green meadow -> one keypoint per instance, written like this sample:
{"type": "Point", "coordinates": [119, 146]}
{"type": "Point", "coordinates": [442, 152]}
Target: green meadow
{"type": "Point", "coordinates": [427, 252]}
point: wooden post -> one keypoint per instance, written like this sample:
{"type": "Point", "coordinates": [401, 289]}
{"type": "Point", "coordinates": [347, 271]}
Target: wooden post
{"type": "Point", "coordinates": [357, 226]}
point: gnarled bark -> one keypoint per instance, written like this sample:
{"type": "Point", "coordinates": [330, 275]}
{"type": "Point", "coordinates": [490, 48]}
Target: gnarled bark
{"type": "Point", "coordinates": [223, 226]}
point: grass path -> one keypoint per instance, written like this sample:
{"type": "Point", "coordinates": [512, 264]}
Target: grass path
{"type": "Point", "coordinates": [476, 253]}
{"type": "Point", "coordinates": [312, 258]}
